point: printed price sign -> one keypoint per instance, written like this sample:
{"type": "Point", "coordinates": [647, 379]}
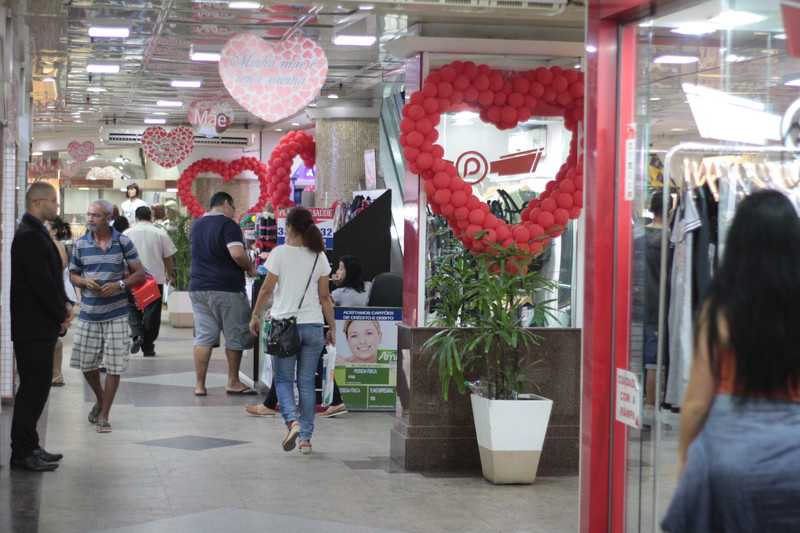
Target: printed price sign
{"type": "Point", "coordinates": [323, 217]}
{"type": "Point", "coordinates": [629, 399]}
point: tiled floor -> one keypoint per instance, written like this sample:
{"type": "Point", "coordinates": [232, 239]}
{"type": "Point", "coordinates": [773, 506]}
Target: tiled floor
{"type": "Point", "coordinates": [176, 463]}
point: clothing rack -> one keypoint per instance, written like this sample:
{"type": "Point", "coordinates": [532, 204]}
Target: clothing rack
{"type": "Point", "coordinates": [697, 148]}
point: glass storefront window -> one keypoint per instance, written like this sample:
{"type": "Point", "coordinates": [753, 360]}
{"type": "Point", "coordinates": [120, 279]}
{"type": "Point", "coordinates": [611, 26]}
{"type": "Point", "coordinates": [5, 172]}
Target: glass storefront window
{"type": "Point", "coordinates": [717, 74]}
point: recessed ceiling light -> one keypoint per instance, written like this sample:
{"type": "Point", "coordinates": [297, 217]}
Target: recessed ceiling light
{"type": "Point", "coordinates": [733, 58]}
{"type": "Point", "coordinates": [354, 40]}
{"type": "Point", "coordinates": [186, 84]}
{"type": "Point", "coordinates": [366, 7]}
{"type": "Point", "coordinates": [114, 32]}
{"type": "Point", "coordinates": [278, 129]}
{"type": "Point", "coordinates": [333, 96]}
{"type": "Point", "coordinates": [781, 36]}
{"type": "Point", "coordinates": [678, 129]}
{"type": "Point", "coordinates": [695, 28]}
{"type": "Point", "coordinates": [169, 103]}
{"type": "Point", "coordinates": [731, 18]}
{"type": "Point", "coordinates": [591, 48]}
{"type": "Point", "coordinates": [295, 124]}
{"type": "Point", "coordinates": [204, 56]}
{"type": "Point", "coordinates": [675, 60]}
{"type": "Point", "coordinates": [155, 121]}
{"type": "Point", "coordinates": [95, 89]}
{"type": "Point", "coordinates": [171, 189]}
{"type": "Point", "coordinates": [655, 98]}
{"type": "Point", "coordinates": [35, 154]}
{"type": "Point", "coordinates": [577, 65]}
{"type": "Point", "coordinates": [161, 113]}
{"type": "Point", "coordinates": [97, 68]}
{"type": "Point", "coordinates": [49, 80]}
{"type": "Point", "coordinates": [78, 121]}
{"type": "Point", "coordinates": [244, 5]}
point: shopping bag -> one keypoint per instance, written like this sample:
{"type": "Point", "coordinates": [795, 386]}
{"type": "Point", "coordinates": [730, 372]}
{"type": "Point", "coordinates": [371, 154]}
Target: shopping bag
{"type": "Point", "coordinates": [328, 368]}
{"type": "Point", "coordinates": [266, 373]}
{"type": "Point", "coordinates": [146, 293]}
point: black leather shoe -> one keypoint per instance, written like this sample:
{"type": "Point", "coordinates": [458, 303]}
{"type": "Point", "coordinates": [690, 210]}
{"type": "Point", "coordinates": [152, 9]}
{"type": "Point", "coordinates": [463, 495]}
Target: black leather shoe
{"type": "Point", "coordinates": [136, 344]}
{"type": "Point", "coordinates": [33, 463]}
{"type": "Point", "coordinates": [46, 456]}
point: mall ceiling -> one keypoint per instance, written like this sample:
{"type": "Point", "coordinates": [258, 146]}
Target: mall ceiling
{"type": "Point", "coordinates": [164, 32]}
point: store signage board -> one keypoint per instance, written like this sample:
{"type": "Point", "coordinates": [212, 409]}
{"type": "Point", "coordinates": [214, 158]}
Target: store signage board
{"type": "Point", "coordinates": [370, 171]}
{"type": "Point", "coordinates": [323, 217]}
{"type": "Point", "coordinates": [273, 79]}
{"type": "Point", "coordinates": [366, 356]}
{"type": "Point", "coordinates": [629, 399]}
{"type": "Point", "coordinates": [210, 117]}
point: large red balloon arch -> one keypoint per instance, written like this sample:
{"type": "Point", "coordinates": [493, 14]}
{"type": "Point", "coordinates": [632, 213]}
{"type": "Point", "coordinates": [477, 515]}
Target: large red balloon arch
{"type": "Point", "coordinates": [279, 175]}
{"type": "Point", "coordinates": [503, 99]}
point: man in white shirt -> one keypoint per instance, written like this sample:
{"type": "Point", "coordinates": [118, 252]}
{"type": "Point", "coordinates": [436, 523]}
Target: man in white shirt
{"type": "Point", "coordinates": [156, 251]}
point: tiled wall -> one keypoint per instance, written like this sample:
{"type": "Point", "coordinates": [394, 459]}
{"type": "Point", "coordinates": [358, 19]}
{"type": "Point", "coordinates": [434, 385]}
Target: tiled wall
{"type": "Point", "coordinates": [340, 157]}
{"type": "Point", "coordinates": [7, 226]}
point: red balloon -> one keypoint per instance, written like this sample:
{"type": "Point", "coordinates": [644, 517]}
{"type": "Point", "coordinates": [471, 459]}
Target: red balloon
{"type": "Point", "coordinates": [448, 74]}
{"type": "Point", "coordinates": [476, 217]}
{"type": "Point", "coordinates": [442, 196]}
{"type": "Point", "coordinates": [494, 114]}
{"type": "Point", "coordinates": [411, 153]}
{"type": "Point", "coordinates": [491, 222]}
{"type": "Point", "coordinates": [447, 210]}
{"type": "Point", "coordinates": [471, 94]}
{"type": "Point", "coordinates": [536, 231]}
{"type": "Point", "coordinates": [461, 83]}
{"type": "Point", "coordinates": [549, 95]}
{"type": "Point", "coordinates": [521, 234]}
{"type": "Point", "coordinates": [431, 90]}
{"type": "Point", "coordinates": [425, 161]}
{"type": "Point", "coordinates": [575, 212]}
{"type": "Point", "coordinates": [509, 115]}
{"type": "Point", "coordinates": [577, 198]}
{"type": "Point", "coordinates": [521, 85]}
{"type": "Point", "coordinates": [430, 105]}
{"type": "Point", "coordinates": [561, 216]}
{"type": "Point", "coordinates": [544, 76]}
{"type": "Point", "coordinates": [564, 99]}
{"type": "Point", "coordinates": [500, 99]}
{"type": "Point", "coordinates": [486, 98]}
{"type": "Point", "coordinates": [416, 111]}
{"type": "Point", "coordinates": [576, 89]}
{"type": "Point", "coordinates": [564, 200]}
{"type": "Point", "coordinates": [503, 232]}
{"type": "Point", "coordinates": [567, 186]}
{"type": "Point", "coordinates": [516, 100]}
{"type": "Point", "coordinates": [461, 213]}
{"type": "Point", "coordinates": [445, 89]}
{"type": "Point", "coordinates": [560, 84]}
{"type": "Point", "coordinates": [458, 198]}
{"type": "Point", "coordinates": [496, 81]}
{"type": "Point", "coordinates": [441, 180]}
{"type": "Point", "coordinates": [545, 219]}
{"type": "Point", "coordinates": [481, 82]}
{"type": "Point", "coordinates": [415, 138]}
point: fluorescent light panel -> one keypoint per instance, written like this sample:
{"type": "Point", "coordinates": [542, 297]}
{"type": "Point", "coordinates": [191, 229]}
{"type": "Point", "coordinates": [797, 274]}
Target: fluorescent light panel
{"type": "Point", "coordinates": [155, 121]}
{"type": "Point", "coordinates": [113, 32]}
{"type": "Point", "coordinates": [333, 96]}
{"type": "Point", "coordinates": [186, 84]}
{"type": "Point", "coordinates": [354, 40]}
{"type": "Point", "coordinates": [244, 5]}
{"type": "Point", "coordinates": [675, 60]}
{"type": "Point", "coordinates": [101, 68]}
{"type": "Point", "coordinates": [204, 56]}
{"type": "Point", "coordinates": [160, 113]}
{"type": "Point", "coordinates": [169, 103]}
{"type": "Point", "coordinates": [733, 19]}
{"type": "Point", "coordinates": [95, 89]}
{"type": "Point", "coordinates": [695, 28]}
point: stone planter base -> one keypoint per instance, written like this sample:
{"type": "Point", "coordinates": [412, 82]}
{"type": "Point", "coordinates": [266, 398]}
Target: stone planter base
{"type": "Point", "coordinates": [180, 310]}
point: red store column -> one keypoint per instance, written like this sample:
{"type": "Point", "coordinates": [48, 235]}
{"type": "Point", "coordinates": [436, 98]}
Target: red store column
{"type": "Point", "coordinates": [606, 333]}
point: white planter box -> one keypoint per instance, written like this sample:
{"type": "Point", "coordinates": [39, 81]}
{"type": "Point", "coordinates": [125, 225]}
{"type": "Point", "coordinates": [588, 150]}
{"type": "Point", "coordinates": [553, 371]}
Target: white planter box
{"type": "Point", "coordinates": [180, 309]}
{"type": "Point", "coordinates": [510, 436]}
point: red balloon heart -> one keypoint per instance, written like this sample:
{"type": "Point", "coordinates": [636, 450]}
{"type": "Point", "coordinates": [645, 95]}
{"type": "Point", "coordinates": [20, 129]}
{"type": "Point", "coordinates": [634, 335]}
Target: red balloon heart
{"type": "Point", "coordinates": [227, 171]}
{"type": "Point", "coordinates": [279, 176]}
{"type": "Point", "coordinates": [503, 99]}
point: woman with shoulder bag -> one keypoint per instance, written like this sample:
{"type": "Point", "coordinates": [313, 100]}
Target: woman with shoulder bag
{"type": "Point", "coordinates": [297, 285]}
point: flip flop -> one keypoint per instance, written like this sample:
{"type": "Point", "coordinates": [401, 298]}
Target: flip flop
{"type": "Point", "coordinates": [103, 427]}
{"type": "Point", "coordinates": [247, 391]}
{"type": "Point", "coordinates": [94, 413]}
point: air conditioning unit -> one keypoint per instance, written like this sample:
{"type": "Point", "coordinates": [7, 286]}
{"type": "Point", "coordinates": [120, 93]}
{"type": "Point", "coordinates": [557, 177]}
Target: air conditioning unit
{"type": "Point", "coordinates": [234, 139]}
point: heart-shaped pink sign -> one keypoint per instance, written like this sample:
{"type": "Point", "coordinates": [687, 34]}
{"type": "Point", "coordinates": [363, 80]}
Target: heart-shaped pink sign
{"type": "Point", "coordinates": [168, 149]}
{"type": "Point", "coordinates": [80, 151]}
{"type": "Point", "coordinates": [273, 80]}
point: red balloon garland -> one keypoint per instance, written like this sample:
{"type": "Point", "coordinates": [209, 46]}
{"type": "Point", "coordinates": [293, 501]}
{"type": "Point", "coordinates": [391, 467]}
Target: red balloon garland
{"type": "Point", "coordinates": [503, 99]}
{"type": "Point", "coordinates": [280, 165]}
{"type": "Point", "coordinates": [228, 171]}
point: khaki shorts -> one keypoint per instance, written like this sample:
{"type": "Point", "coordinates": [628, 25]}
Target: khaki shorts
{"type": "Point", "coordinates": [219, 311]}
{"type": "Point", "coordinates": [101, 344]}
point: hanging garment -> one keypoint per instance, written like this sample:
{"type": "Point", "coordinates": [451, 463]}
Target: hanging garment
{"type": "Point", "coordinates": [727, 207]}
{"type": "Point", "coordinates": [680, 306]}
{"type": "Point", "coordinates": [704, 246]}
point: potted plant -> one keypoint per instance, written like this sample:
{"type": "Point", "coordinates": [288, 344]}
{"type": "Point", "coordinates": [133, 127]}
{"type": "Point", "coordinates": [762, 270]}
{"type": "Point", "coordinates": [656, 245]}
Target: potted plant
{"type": "Point", "coordinates": [479, 305]}
{"type": "Point", "coordinates": [179, 303]}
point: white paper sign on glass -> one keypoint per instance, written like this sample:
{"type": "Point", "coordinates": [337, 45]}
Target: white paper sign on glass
{"type": "Point", "coordinates": [629, 399]}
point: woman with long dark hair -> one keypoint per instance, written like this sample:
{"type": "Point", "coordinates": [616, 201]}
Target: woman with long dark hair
{"type": "Point", "coordinates": [349, 280]}
{"type": "Point", "coordinates": [740, 420]}
{"type": "Point", "coordinates": [297, 285]}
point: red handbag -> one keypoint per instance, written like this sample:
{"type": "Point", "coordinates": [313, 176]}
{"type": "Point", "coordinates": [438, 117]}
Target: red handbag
{"type": "Point", "coordinates": [146, 293]}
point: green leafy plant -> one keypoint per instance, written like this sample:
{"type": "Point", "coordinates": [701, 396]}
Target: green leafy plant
{"type": "Point", "coordinates": [183, 256]}
{"type": "Point", "coordinates": [478, 303]}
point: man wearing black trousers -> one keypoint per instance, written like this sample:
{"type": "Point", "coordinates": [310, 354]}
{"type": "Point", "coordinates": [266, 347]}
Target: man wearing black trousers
{"type": "Point", "coordinates": [39, 311]}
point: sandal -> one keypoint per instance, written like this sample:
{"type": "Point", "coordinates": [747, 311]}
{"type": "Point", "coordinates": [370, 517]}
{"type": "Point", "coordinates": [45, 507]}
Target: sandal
{"type": "Point", "coordinates": [94, 413]}
{"type": "Point", "coordinates": [103, 427]}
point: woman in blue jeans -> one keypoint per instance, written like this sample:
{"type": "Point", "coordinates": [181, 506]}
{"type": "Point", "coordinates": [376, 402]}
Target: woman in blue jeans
{"type": "Point", "coordinates": [297, 285]}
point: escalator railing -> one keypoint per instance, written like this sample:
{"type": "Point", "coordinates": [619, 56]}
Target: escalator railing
{"type": "Point", "coordinates": [392, 166]}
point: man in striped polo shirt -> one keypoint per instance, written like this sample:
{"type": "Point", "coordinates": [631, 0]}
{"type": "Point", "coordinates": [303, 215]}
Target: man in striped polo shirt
{"type": "Point", "coordinates": [104, 264]}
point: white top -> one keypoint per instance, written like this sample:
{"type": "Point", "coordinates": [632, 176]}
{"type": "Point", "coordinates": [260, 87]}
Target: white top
{"type": "Point", "coordinates": [349, 297]}
{"type": "Point", "coordinates": [129, 208]}
{"type": "Point", "coordinates": [153, 245]}
{"type": "Point", "coordinates": [292, 265]}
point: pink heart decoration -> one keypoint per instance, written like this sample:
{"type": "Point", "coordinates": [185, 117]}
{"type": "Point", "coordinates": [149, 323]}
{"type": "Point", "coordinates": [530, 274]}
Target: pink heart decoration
{"type": "Point", "coordinates": [273, 79]}
{"type": "Point", "coordinates": [80, 151]}
{"type": "Point", "coordinates": [168, 149]}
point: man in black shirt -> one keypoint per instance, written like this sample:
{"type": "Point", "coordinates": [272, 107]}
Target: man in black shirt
{"type": "Point", "coordinates": [39, 311]}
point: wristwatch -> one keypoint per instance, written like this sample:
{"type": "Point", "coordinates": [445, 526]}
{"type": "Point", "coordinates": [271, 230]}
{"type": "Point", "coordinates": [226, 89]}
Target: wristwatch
{"type": "Point", "coordinates": [122, 284]}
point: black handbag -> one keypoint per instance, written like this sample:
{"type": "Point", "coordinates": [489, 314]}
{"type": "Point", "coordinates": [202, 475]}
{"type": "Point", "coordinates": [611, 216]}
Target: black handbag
{"type": "Point", "coordinates": [284, 338]}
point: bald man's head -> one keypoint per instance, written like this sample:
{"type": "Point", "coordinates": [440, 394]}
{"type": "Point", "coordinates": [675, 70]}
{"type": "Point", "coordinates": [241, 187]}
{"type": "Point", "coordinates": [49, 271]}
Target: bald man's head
{"type": "Point", "coordinates": [41, 201]}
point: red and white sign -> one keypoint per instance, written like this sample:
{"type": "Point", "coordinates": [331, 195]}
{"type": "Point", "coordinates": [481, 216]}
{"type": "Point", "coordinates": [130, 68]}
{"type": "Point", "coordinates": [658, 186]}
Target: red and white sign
{"type": "Point", "coordinates": [629, 399]}
{"type": "Point", "coordinates": [80, 151]}
{"type": "Point", "coordinates": [273, 80]}
{"type": "Point", "coordinates": [210, 117]}
{"type": "Point", "coordinates": [168, 149]}
{"type": "Point", "coordinates": [323, 216]}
